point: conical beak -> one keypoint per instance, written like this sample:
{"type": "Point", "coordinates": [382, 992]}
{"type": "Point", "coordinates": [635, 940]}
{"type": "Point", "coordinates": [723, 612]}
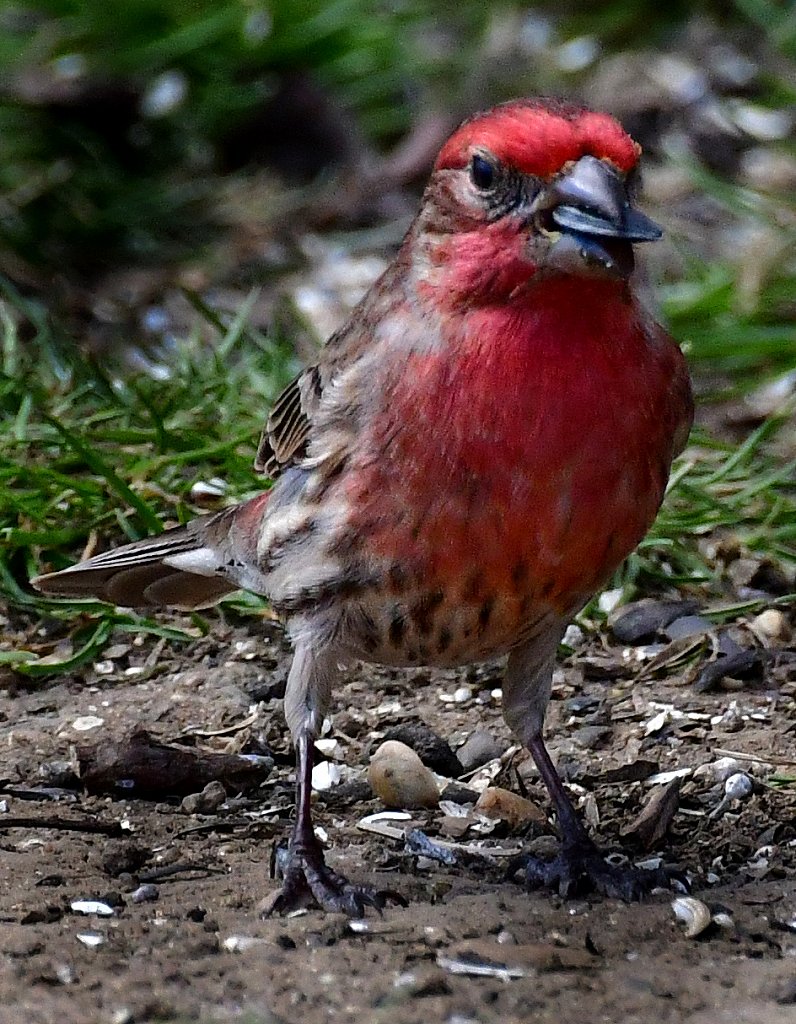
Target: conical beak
{"type": "Point", "coordinates": [590, 206]}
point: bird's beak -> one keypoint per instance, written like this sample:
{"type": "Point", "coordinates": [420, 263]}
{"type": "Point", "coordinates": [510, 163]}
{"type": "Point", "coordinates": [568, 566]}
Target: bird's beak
{"type": "Point", "coordinates": [598, 226]}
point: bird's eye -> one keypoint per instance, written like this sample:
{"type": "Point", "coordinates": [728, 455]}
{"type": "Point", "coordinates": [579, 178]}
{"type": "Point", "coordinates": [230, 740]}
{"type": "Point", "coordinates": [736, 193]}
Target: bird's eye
{"type": "Point", "coordinates": [483, 173]}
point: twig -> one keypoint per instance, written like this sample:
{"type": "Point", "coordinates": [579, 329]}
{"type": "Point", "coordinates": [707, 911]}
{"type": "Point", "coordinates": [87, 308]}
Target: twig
{"type": "Point", "coordinates": [66, 825]}
{"type": "Point", "coordinates": [157, 874]}
{"type": "Point", "coordinates": [739, 755]}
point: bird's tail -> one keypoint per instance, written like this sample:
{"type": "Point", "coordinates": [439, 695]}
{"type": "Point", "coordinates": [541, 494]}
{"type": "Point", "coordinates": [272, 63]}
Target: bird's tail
{"type": "Point", "coordinates": [191, 566]}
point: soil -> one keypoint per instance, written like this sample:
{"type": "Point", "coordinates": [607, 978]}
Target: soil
{"type": "Point", "coordinates": [201, 952]}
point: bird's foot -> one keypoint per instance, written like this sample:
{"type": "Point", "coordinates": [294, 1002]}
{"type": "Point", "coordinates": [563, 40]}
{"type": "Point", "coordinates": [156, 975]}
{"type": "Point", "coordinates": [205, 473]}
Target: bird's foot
{"type": "Point", "coordinates": [307, 881]}
{"type": "Point", "coordinates": [581, 867]}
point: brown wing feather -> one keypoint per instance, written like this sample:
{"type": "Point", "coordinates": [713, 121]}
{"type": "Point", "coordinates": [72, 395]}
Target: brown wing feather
{"type": "Point", "coordinates": [137, 575]}
{"type": "Point", "coordinates": [284, 437]}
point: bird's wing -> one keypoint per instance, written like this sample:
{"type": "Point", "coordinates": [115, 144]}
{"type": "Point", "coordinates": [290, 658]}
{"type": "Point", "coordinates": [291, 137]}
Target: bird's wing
{"type": "Point", "coordinates": [145, 572]}
{"type": "Point", "coordinates": [191, 566]}
{"type": "Point", "coordinates": [287, 429]}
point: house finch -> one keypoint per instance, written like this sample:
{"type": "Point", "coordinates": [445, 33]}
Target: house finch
{"type": "Point", "coordinates": [469, 460]}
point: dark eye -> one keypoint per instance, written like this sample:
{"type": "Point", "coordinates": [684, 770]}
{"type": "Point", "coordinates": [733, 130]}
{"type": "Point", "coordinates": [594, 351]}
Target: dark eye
{"type": "Point", "coordinates": [483, 173]}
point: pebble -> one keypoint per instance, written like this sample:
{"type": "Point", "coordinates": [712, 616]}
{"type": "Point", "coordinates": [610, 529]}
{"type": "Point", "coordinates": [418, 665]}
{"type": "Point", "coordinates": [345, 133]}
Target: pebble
{"type": "Point", "coordinates": [642, 620]}
{"type": "Point", "coordinates": [715, 674]}
{"type": "Point", "coordinates": [206, 802]}
{"type": "Point", "coordinates": [772, 624]}
{"type": "Point", "coordinates": [687, 625]}
{"type": "Point", "coordinates": [479, 747]}
{"type": "Point", "coordinates": [573, 636]}
{"type": "Point", "coordinates": [432, 749]}
{"type": "Point", "coordinates": [146, 893]}
{"type": "Point", "coordinates": [738, 786]}
{"type": "Point", "coordinates": [399, 778]}
{"type": "Point", "coordinates": [496, 802]}
{"type": "Point", "coordinates": [457, 793]}
{"type": "Point", "coordinates": [59, 774]}
{"type": "Point", "coordinates": [581, 705]}
{"type": "Point", "coordinates": [590, 737]}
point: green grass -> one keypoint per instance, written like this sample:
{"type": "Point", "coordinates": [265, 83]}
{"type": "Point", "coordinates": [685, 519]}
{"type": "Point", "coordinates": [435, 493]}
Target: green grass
{"type": "Point", "coordinates": [84, 454]}
{"type": "Point", "coordinates": [87, 454]}
{"type": "Point", "coordinates": [91, 451]}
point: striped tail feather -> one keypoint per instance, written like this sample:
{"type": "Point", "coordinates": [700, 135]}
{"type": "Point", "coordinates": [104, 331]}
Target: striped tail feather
{"type": "Point", "coordinates": [188, 567]}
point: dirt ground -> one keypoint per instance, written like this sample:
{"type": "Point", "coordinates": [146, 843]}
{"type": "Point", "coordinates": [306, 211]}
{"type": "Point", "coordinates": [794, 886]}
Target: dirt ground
{"type": "Point", "coordinates": [200, 952]}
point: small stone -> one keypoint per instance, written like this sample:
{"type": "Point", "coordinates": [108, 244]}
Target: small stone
{"type": "Point", "coordinates": [458, 793]}
{"type": "Point", "coordinates": [206, 802]}
{"type": "Point", "coordinates": [641, 621]}
{"type": "Point", "coordinates": [581, 705]}
{"type": "Point", "coordinates": [502, 804]}
{"type": "Point", "coordinates": [752, 576]}
{"type": "Point", "coordinates": [58, 774]}
{"type": "Point", "coordinates": [454, 827]}
{"type": "Point", "coordinates": [767, 169]}
{"type": "Point", "coordinates": [146, 893]}
{"type": "Point", "coordinates": [772, 625]}
{"type": "Point", "coordinates": [687, 625]}
{"type": "Point", "coordinates": [399, 778]}
{"type": "Point", "coordinates": [573, 636]}
{"type": "Point", "coordinates": [738, 786]}
{"type": "Point", "coordinates": [479, 747]}
{"type": "Point", "coordinates": [744, 664]}
{"type": "Point", "coordinates": [431, 748]}
{"type": "Point", "coordinates": [590, 737]}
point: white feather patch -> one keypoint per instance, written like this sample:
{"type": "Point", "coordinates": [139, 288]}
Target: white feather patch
{"type": "Point", "coordinates": [201, 561]}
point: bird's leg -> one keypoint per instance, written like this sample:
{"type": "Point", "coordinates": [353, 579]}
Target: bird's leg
{"type": "Point", "coordinates": [580, 864]}
{"type": "Point", "coordinates": [306, 878]}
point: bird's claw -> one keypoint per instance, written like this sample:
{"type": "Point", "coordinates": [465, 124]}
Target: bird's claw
{"type": "Point", "coordinates": [307, 881]}
{"type": "Point", "coordinates": [582, 867]}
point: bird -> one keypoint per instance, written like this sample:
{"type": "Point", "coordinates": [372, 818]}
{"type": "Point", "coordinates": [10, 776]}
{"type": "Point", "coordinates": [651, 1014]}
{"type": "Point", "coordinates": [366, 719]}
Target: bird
{"type": "Point", "coordinates": [472, 455]}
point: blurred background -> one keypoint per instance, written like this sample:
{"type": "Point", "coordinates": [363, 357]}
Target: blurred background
{"type": "Point", "coordinates": [193, 193]}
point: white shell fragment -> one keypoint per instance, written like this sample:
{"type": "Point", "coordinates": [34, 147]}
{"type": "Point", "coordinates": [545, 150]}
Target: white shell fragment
{"type": "Point", "coordinates": [240, 943]}
{"type": "Point", "coordinates": [694, 914]}
{"type": "Point", "coordinates": [328, 747]}
{"type": "Point", "coordinates": [609, 599]}
{"type": "Point", "coordinates": [92, 907]}
{"type": "Point", "coordinates": [664, 778]}
{"type": "Point", "coordinates": [325, 774]}
{"type": "Point", "coordinates": [379, 824]}
{"type": "Point", "coordinates": [483, 969]}
{"type": "Point", "coordinates": [86, 722]}
{"type": "Point", "coordinates": [90, 939]}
